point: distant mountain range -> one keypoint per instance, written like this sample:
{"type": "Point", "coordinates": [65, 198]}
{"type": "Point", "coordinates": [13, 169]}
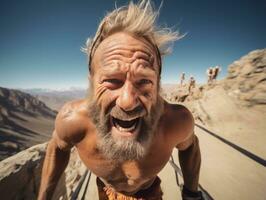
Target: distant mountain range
{"type": "Point", "coordinates": [55, 99]}
{"type": "Point", "coordinates": [24, 121]}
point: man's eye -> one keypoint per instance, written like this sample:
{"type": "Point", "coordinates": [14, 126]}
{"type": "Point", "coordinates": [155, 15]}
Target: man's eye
{"type": "Point", "coordinates": [144, 82]}
{"type": "Point", "coordinates": [113, 81]}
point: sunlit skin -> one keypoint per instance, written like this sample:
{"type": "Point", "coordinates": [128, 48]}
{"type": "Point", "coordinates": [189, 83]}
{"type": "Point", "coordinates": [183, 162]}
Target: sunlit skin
{"type": "Point", "coordinates": [125, 73]}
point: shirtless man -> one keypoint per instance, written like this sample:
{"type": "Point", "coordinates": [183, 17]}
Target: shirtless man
{"type": "Point", "coordinates": [124, 131]}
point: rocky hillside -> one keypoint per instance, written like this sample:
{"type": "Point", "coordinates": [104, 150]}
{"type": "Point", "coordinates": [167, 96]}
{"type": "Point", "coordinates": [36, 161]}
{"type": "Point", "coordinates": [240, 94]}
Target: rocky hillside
{"type": "Point", "coordinates": [24, 121]}
{"type": "Point", "coordinates": [17, 101]}
{"type": "Point", "coordinates": [235, 107]}
{"type": "Point", "coordinates": [246, 78]}
{"type": "Point", "coordinates": [20, 175]}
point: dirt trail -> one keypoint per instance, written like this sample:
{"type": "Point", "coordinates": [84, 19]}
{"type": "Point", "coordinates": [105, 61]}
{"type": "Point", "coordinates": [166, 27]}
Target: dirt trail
{"type": "Point", "coordinates": [228, 174]}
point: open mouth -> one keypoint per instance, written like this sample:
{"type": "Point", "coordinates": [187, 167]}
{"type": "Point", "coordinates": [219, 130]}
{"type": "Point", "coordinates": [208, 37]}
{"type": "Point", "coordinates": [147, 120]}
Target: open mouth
{"type": "Point", "coordinates": [126, 125]}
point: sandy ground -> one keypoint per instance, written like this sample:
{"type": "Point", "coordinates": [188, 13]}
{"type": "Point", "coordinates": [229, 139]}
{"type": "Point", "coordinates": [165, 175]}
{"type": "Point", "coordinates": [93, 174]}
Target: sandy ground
{"type": "Point", "coordinates": [241, 125]}
{"type": "Point", "coordinates": [228, 174]}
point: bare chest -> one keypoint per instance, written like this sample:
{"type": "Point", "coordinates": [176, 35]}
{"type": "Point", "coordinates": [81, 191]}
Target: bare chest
{"type": "Point", "coordinates": [128, 176]}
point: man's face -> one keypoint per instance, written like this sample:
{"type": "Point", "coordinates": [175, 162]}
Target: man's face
{"type": "Point", "coordinates": [124, 104]}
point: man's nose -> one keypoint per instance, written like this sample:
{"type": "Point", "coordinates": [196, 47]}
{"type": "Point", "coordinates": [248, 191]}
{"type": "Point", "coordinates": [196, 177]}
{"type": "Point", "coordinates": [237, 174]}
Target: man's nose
{"type": "Point", "coordinates": [128, 98]}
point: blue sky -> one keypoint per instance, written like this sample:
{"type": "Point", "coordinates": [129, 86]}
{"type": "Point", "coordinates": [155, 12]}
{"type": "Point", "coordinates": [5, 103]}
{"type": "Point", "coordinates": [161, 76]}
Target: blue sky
{"type": "Point", "coordinates": [40, 40]}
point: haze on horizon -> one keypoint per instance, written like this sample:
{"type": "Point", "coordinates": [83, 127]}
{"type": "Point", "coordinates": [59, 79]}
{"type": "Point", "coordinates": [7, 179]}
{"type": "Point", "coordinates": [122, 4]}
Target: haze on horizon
{"type": "Point", "coordinates": [41, 40]}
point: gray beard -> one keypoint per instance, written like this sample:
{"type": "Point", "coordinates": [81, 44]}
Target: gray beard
{"type": "Point", "coordinates": [122, 149]}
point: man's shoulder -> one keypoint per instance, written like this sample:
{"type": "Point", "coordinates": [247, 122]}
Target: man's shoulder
{"type": "Point", "coordinates": [179, 122]}
{"type": "Point", "coordinates": [73, 109]}
{"type": "Point", "coordinates": [72, 121]}
{"type": "Point", "coordinates": [178, 112]}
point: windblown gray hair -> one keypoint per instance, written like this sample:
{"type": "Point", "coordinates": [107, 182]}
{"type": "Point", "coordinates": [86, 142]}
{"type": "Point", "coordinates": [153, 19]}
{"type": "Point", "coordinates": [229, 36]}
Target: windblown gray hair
{"type": "Point", "coordinates": [138, 19]}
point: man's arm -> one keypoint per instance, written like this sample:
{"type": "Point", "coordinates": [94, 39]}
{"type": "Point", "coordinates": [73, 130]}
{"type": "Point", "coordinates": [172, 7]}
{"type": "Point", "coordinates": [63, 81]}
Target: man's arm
{"type": "Point", "coordinates": [189, 154]}
{"type": "Point", "coordinates": [55, 162]}
{"type": "Point", "coordinates": [70, 128]}
{"type": "Point", "coordinates": [190, 160]}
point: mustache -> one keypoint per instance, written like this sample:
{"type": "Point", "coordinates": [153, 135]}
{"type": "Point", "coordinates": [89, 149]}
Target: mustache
{"type": "Point", "coordinates": [119, 113]}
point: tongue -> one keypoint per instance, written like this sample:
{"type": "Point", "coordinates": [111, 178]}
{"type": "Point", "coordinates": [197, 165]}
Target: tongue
{"type": "Point", "coordinates": [125, 124]}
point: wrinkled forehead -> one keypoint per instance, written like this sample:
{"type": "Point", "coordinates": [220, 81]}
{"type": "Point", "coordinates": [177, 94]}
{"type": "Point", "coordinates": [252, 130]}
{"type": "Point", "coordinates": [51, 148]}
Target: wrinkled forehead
{"type": "Point", "coordinates": [128, 48]}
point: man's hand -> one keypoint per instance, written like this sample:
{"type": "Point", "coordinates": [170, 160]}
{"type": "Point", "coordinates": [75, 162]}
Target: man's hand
{"type": "Point", "coordinates": [54, 165]}
{"type": "Point", "coordinates": [190, 195]}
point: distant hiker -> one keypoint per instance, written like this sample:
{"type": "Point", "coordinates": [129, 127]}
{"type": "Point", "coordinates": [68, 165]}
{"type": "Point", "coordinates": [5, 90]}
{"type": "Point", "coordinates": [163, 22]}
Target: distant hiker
{"type": "Point", "coordinates": [182, 79]}
{"type": "Point", "coordinates": [210, 73]}
{"type": "Point", "coordinates": [191, 84]}
{"type": "Point", "coordinates": [216, 71]}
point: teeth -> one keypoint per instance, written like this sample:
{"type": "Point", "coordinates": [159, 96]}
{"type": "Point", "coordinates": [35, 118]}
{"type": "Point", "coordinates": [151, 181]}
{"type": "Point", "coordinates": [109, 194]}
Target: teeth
{"type": "Point", "coordinates": [126, 129]}
{"type": "Point", "coordinates": [117, 124]}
